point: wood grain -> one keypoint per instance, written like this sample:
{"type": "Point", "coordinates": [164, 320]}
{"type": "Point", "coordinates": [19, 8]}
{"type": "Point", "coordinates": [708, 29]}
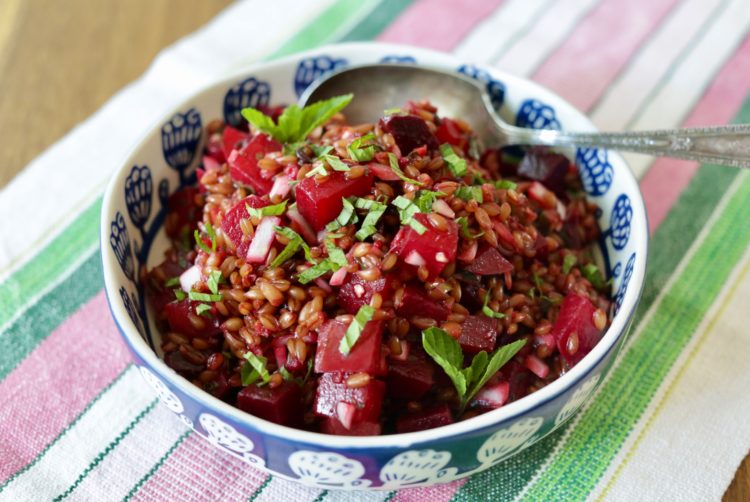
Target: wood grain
{"type": "Point", "coordinates": [60, 61]}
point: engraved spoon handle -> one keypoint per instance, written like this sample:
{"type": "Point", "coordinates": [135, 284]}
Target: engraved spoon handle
{"type": "Point", "coordinates": [725, 145]}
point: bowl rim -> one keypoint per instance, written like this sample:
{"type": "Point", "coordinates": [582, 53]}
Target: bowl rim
{"type": "Point", "coordinates": [489, 419]}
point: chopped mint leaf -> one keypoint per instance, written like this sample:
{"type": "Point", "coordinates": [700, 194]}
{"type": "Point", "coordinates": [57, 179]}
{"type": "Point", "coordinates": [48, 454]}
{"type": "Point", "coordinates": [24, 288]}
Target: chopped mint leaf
{"type": "Point", "coordinates": [406, 210]}
{"type": "Point", "coordinates": [295, 242]}
{"type": "Point", "coordinates": [594, 275]}
{"type": "Point", "coordinates": [203, 309]}
{"type": "Point", "coordinates": [393, 161]}
{"type": "Point", "coordinates": [336, 163]}
{"type": "Point", "coordinates": [214, 279]}
{"type": "Point", "coordinates": [200, 243]}
{"type": "Point", "coordinates": [456, 164]}
{"type": "Point", "coordinates": [295, 123]}
{"type": "Point", "coordinates": [424, 199]}
{"type": "Point", "coordinates": [374, 211]}
{"type": "Point", "coordinates": [172, 282]}
{"type": "Point", "coordinates": [354, 331]}
{"type": "Point", "coordinates": [463, 227]}
{"type": "Point", "coordinates": [486, 310]}
{"type": "Point", "coordinates": [321, 150]}
{"type": "Point", "coordinates": [569, 262]}
{"type": "Point", "coordinates": [468, 193]}
{"type": "Point", "coordinates": [179, 294]}
{"type": "Point", "coordinates": [362, 153]}
{"type": "Point", "coordinates": [320, 168]}
{"type": "Point", "coordinates": [316, 271]}
{"type": "Point", "coordinates": [506, 184]}
{"type": "Point", "coordinates": [391, 111]}
{"type": "Point", "coordinates": [335, 254]}
{"type": "Point", "coordinates": [273, 210]}
{"type": "Point", "coordinates": [347, 216]}
{"type": "Point", "coordinates": [254, 368]}
{"type": "Point", "coordinates": [204, 297]}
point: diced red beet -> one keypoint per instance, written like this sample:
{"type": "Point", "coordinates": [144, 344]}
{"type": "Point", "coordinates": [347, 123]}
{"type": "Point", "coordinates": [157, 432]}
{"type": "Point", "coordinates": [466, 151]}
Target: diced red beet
{"type": "Point", "coordinates": [177, 314]}
{"type": "Point", "coordinates": [416, 302]}
{"type": "Point", "coordinates": [332, 389]}
{"type": "Point", "coordinates": [230, 225]}
{"type": "Point", "coordinates": [182, 203]}
{"type": "Point", "coordinates": [436, 247]}
{"type": "Point", "coordinates": [282, 404]}
{"type": "Point", "coordinates": [363, 357]}
{"type": "Point", "coordinates": [426, 419]}
{"type": "Point", "coordinates": [489, 261]}
{"type": "Point", "coordinates": [233, 139]}
{"type": "Point", "coordinates": [320, 203]}
{"type": "Point", "coordinates": [450, 132]}
{"type": "Point", "coordinates": [356, 292]}
{"type": "Point", "coordinates": [332, 425]}
{"type": "Point", "coordinates": [409, 132]}
{"type": "Point", "coordinates": [492, 395]}
{"type": "Point", "coordinates": [217, 387]}
{"type": "Point", "coordinates": [410, 379]}
{"type": "Point", "coordinates": [518, 377]}
{"type": "Point", "coordinates": [471, 297]}
{"type": "Point", "coordinates": [478, 333]}
{"type": "Point", "coordinates": [575, 317]}
{"type": "Point", "coordinates": [243, 163]}
{"type": "Point", "coordinates": [546, 167]}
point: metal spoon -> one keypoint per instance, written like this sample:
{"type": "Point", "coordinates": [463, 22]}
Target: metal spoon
{"type": "Point", "coordinates": [378, 87]}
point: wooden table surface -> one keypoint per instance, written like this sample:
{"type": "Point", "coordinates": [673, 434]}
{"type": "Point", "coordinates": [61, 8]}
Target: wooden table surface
{"type": "Point", "coordinates": [60, 61]}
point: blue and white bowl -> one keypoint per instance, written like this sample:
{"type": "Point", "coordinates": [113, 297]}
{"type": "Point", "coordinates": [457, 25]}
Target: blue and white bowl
{"type": "Point", "coordinates": [131, 230]}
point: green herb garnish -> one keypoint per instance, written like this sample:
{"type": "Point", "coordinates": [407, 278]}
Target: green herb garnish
{"type": "Point", "coordinates": [360, 152]}
{"type": "Point", "coordinates": [391, 111]}
{"type": "Point", "coordinates": [214, 279]}
{"type": "Point", "coordinates": [295, 242]}
{"type": "Point", "coordinates": [172, 282]}
{"type": "Point", "coordinates": [321, 150]}
{"type": "Point", "coordinates": [463, 227]}
{"type": "Point", "coordinates": [486, 310]}
{"type": "Point", "coordinates": [335, 254]}
{"type": "Point", "coordinates": [200, 243]}
{"type": "Point", "coordinates": [274, 210]}
{"type": "Point", "coordinates": [354, 331]}
{"type": "Point", "coordinates": [374, 211]}
{"type": "Point", "coordinates": [456, 164]}
{"type": "Point", "coordinates": [347, 216]}
{"type": "Point", "coordinates": [253, 369]}
{"type": "Point", "coordinates": [204, 297]}
{"type": "Point", "coordinates": [406, 210]}
{"type": "Point", "coordinates": [295, 123]}
{"type": "Point", "coordinates": [393, 161]}
{"type": "Point", "coordinates": [568, 263]}
{"type": "Point", "coordinates": [447, 353]}
{"type": "Point", "coordinates": [424, 199]}
{"type": "Point", "coordinates": [211, 235]}
{"type": "Point", "coordinates": [468, 193]}
{"type": "Point", "coordinates": [203, 309]}
{"type": "Point", "coordinates": [336, 163]}
{"type": "Point", "coordinates": [594, 275]}
{"type": "Point", "coordinates": [179, 294]}
{"type": "Point", "coordinates": [316, 271]}
{"type": "Point", "coordinates": [506, 184]}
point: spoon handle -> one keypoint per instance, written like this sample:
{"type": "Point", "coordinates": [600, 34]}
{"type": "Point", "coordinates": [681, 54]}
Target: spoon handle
{"type": "Point", "coordinates": [725, 145]}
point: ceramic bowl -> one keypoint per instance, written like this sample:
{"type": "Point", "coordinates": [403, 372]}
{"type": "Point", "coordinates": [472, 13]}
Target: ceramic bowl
{"type": "Point", "coordinates": [133, 213]}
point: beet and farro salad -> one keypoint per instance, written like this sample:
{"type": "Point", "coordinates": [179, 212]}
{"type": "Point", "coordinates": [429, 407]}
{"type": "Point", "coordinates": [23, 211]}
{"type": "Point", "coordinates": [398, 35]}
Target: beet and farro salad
{"type": "Point", "coordinates": [375, 278]}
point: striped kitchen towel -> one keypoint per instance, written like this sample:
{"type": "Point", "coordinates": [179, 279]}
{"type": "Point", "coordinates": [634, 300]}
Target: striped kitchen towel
{"type": "Point", "coordinates": [670, 422]}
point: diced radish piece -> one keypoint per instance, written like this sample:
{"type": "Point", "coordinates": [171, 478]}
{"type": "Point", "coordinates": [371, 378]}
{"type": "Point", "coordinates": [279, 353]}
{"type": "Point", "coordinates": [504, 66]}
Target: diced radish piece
{"type": "Point", "coordinates": [301, 226]}
{"type": "Point", "coordinates": [363, 357]}
{"type": "Point", "coordinates": [410, 379]}
{"type": "Point", "coordinates": [338, 277]}
{"type": "Point", "coordinates": [356, 292]}
{"type": "Point", "coordinates": [281, 186]}
{"type": "Point", "coordinates": [233, 139]}
{"type": "Point", "coordinates": [450, 132]}
{"type": "Point", "coordinates": [230, 224]}
{"type": "Point", "coordinates": [282, 404]}
{"type": "Point", "coordinates": [478, 333]}
{"type": "Point", "coordinates": [546, 167]}
{"type": "Point", "coordinates": [536, 366]}
{"type": "Point", "coordinates": [383, 172]}
{"type": "Point", "coordinates": [574, 329]}
{"type": "Point", "coordinates": [542, 196]}
{"type": "Point", "coordinates": [243, 163]}
{"type": "Point", "coordinates": [428, 244]}
{"type": "Point", "coordinates": [489, 261]}
{"type": "Point", "coordinates": [210, 163]}
{"type": "Point", "coordinates": [322, 284]}
{"type": "Point", "coordinates": [332, 425]}
{"type": "Point", "coordinates": [189, 277]}
{"type": "Point", "coordinates": [492, 395]}
{"type": "Point", "coordinates": [442, 207]}
{"type": "Point", "coordinates": [409, 132]}
{"type": "Point", "coordinates": [262, 240]}
{"type": "Point", "coordinates": [345, 414]}
{"type": "Point", "coordinates": [427, 419]}
{"type": "Point", "coordinates": [332, 389]}
{"type": "Point", "coordinates": [416, 303]}
{"type": "Point", "coordinates": [188, 213]}
{"type": "Point", "coordinates": [178, 316]}
{"type": "Point", "coordinates": [320, 203]}
{"type": "Point", "coordinates": [414, 258]}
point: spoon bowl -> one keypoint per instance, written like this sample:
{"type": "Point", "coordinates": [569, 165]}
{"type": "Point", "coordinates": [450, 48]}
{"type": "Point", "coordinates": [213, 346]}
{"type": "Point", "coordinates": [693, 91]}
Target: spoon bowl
{"type": "Point", "coordinates": [377, 87]}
